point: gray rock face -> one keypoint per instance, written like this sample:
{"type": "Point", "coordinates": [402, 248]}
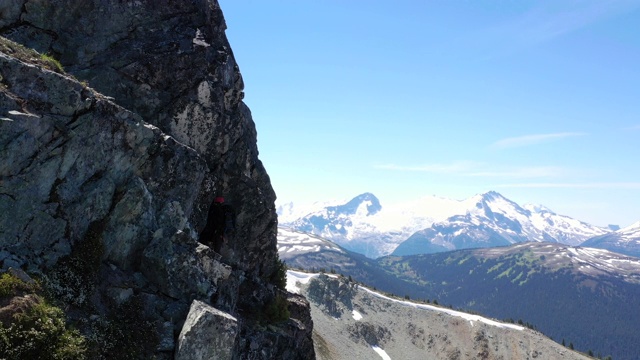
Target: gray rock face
{"type": "Point", "coordinates": [118, 177]}
{"type": "Point", "coordinates": [281, 342]}
{"type": "Point", "coordinates": [207, 334]}
{"type": "Point", "coordinates": [172, 65]}
{"type": "Point", "coordinates": [70, 158]}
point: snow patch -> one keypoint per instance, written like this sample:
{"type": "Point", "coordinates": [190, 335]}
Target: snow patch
{"type": "Point", "coordinates": [356, 315]}
{"type": "Point", "coordinates": [383, 354]}
{"type": "Point", "coordinates": [290, 241]}
{"type": "Point", "coordinates": [296, 277]}
{"type": "Point", "coordinates": [451, 312]}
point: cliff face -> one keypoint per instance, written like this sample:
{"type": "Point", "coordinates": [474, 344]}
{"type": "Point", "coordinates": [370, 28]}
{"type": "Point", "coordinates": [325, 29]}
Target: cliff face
{"type": "Point", "coordinates": [115, 171]}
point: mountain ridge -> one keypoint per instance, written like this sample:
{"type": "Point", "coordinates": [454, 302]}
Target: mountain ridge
{"type": "Point", "coordinates": [625, 240]}
{"type": "Point", "coordinates": [434, 224]}
{"type": "Point", "coordinates": [586, 296]}
{"type": "Point", "coordinates": [353, 321]}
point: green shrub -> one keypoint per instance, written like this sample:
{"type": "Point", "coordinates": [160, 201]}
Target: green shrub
{"type": "Point", "coordinates": [277, 310]}
{"type": "Point", "coordinates": [123, 334]}
{"type": "Point", "coordinates": [39, 331]}
{"type": "Point", "coordinates": [72, 280]}
{"type": "Point", "coordinates": [279, 276]}
{"type": "Point", "coordinates": [11, 286]}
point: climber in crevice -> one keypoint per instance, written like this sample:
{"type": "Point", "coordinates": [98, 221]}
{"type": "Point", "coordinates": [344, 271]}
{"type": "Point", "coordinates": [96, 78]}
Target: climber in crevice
{"type": "Point", "coordinates": [221, 224]}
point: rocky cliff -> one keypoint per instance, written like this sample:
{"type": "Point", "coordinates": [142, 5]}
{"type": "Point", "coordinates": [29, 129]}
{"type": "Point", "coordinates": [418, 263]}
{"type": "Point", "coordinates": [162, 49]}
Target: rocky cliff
{"type": "Point", "coordinates": [109, 159]}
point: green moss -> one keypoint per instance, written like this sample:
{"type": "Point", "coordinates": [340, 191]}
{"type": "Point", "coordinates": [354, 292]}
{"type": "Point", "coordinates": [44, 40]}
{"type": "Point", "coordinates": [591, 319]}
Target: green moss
{"type": "Point", "coordinates": [495, 267]}
{"type": "Point", "coordinates": [449, 260]}
{"type": "Point", "coordinates": [518, 277]}
{"type": "Point", "coordinates": [505, 273]}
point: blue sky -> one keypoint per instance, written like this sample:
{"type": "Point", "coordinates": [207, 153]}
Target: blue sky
{"type": "Point", "coordinates": [538, 100]}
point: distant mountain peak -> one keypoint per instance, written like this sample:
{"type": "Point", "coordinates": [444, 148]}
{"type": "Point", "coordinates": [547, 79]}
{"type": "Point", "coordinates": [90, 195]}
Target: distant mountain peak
{"type": "Point", "coordinates": [537, 208]}
{"type": "Point", "coordinates": [350, 208]}
{"type": "Point", "coordinates": [436, 224]}
{"type": "Point", "coordinates": [633, 227]}
{"type": "Point", "coordinates": [625, 241]}
{"type": "Point", "coordinates": [491, 195]}
{"type": "Point", "coordinates": [613, 227]}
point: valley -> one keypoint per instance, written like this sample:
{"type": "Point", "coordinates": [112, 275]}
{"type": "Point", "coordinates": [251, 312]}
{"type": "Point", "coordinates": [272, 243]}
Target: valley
{"type": "Point", "coordinates": [355, 322]}
{"type": "Point", "coordinates": [583, 296]}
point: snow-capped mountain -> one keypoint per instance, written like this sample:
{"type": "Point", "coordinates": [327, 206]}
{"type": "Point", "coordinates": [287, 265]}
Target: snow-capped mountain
{"type": "Point", "coordinates": [293, 243]}
{"type": "Point", "coordinates": [365, 226]}
{"type": "Point", "coordinates": [289, 212]}
{"type": "Point", "coordinates": [493, 220]}
{"type": "Point", "coordinates": [625, 241]}
{"type": "Point", "coordinates": [305, 251]}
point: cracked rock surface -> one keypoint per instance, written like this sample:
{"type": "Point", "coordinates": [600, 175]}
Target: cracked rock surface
{"type": "Point", "coordinates": [123, 151]}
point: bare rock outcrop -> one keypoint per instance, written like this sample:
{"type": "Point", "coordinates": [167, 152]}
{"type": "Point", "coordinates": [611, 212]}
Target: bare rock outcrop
{"type": "Point", "coordinates": [207, 334]}
{"type": "Point", "coordinates": [108, 167]}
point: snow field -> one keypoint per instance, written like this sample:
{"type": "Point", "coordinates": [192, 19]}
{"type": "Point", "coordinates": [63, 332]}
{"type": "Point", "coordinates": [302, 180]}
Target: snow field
{"type": "Point", "coordinates": [295, 277]}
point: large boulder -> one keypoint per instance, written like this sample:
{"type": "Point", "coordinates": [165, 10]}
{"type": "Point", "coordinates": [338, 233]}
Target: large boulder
{"type": "Point", "coordinates": [207, 334]}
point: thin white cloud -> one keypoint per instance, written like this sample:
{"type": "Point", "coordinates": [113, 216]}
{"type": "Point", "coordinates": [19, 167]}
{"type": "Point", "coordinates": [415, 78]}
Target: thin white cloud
{"type": "Point", "coordinates": [455, 167]}
{"type": "Point", "coordinates": [524, 172]}
{"type": "Point", "coordinates": [546, 21]}
{"type": "Point", "coordinates": [596, 185]}
{"type": "Point", "coordinates": [552, 19]}
{"type": "Point", "coordinates": [533, 139]}
{"type": "Point", "coordinates": [475, 169]}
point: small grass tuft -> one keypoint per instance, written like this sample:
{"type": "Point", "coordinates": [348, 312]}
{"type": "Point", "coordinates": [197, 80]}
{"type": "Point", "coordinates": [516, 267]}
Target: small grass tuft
{"type": "Point", "coordinates": [53, 63]}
